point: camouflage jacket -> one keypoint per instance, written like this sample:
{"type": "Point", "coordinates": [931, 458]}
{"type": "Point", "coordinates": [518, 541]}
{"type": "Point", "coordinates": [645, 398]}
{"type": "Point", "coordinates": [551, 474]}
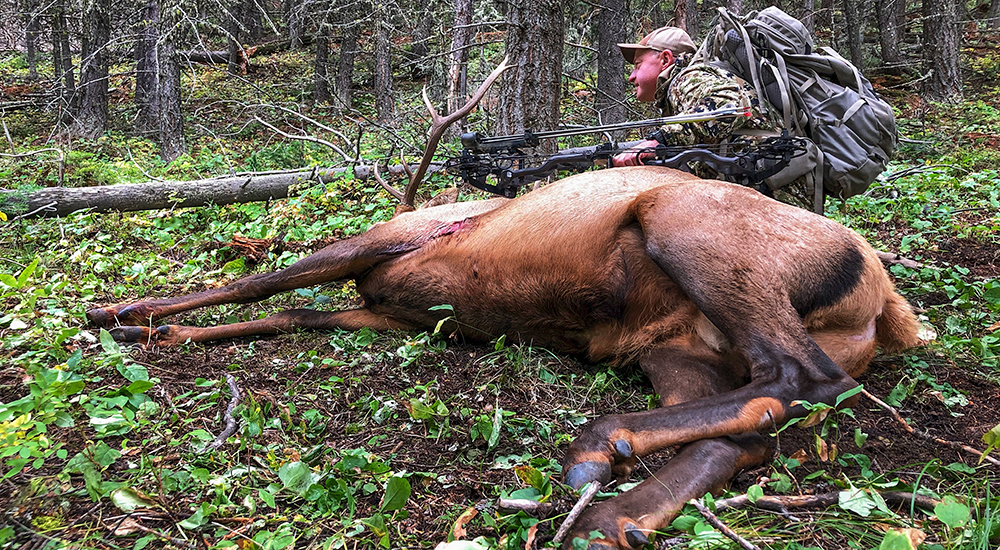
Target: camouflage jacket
{"type": "Point", "coordinates": [688, 88]}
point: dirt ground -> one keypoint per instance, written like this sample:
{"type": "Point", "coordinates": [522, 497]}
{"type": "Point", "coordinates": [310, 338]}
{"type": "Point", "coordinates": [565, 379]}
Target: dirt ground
{"type": "Point", "coordinates": [459, 470]}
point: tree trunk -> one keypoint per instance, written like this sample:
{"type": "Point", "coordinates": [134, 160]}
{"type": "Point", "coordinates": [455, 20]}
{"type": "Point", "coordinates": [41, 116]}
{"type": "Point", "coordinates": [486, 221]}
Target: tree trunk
{"type": "Point", "coordinates": [853, 34]}
{"type": "Point", "coordinates": [994, 15]}
{"type": "Point", "coordinates": [296, 21]}
{"type": "Point", "coordinates": [345, 65]}
{"type": "Point", "coordinates": [888, 35]}
{"type": "Point", "coordinates": [531, 90]}
{"type": "Point", "coordinates": [420, 47]}
{"type": "Point", "coordinates": [321, 88]}
{"type": "Point", "coordinates": [692, 20]}
{"type": "Point", "coordinates": [146, 75]}
{"type": "Point", "coordinates": [458, 70]}
{"type": "Point", "coordinates": [941, 50]}
{"type": "Point", "coordinates": [610, 63]}
{"type": "Point", "coordinates": [131, 197]}
{"type": "Point", "coordinates": [62, 57]}
{"type": "Point", "coordinates": [808, 17]}
{"type": "Point", "coordinates": [234, 30]}
{"type": "Point", "coordinates": [171, 118]}
{"type": "Point", "coordinates": [680, 14]}
{"type": "Point", "coordinates": [31, 28]}
{"type": "Point", "coordinates": [735, 7]}
{"type": "Point", "coordinates": [92, 118]}
{"type": "Point", "coordinates": [384, 98]}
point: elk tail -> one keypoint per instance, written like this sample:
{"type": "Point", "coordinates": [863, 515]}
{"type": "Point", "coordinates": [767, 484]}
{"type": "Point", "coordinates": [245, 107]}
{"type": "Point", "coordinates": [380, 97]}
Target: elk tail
{"type": "Point", "coordinates": [896, 329]}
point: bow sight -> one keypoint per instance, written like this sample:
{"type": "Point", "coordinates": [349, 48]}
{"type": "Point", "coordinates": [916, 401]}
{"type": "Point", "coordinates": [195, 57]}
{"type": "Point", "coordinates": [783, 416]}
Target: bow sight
{"type": "Point", "coordinates": [503, 156]}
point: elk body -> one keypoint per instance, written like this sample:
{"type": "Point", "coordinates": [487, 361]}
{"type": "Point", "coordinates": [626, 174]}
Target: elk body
{"type": "Point", "coordinates": [735, 306]}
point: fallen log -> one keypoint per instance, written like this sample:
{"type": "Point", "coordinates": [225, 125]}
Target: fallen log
{"type": "Point", "coordinates": [131, 197]}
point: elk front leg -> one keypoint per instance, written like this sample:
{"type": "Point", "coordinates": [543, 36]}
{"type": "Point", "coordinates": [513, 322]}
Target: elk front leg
{"type": "Point", "coordinates": [349, 258]}
{"type": "Point", "coordinates": [279, 323]}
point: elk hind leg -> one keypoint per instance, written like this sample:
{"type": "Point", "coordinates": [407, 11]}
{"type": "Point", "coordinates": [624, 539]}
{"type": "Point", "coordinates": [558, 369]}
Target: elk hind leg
{"type": "Point", "coordinates": [681, 370]}
{"type": "Point", "coordinates": [349, 258]}
{"type": "Point", "coordinates": [279, 323]}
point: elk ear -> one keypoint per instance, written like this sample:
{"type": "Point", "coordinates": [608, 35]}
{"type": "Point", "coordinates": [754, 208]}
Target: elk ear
{"type": "Point", "coordinates": [402, 209]}
{"type": "Point", "coordinates": [447, 196]}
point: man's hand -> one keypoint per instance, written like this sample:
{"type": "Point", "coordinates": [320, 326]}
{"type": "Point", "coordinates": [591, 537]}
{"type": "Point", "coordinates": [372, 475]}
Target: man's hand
{"type": "Point", "coordinates": [635, 155]}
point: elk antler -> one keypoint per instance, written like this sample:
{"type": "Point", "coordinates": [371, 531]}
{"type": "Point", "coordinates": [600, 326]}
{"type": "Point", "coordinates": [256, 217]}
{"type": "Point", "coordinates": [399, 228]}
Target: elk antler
{"type": "Point", "coordinates": [438, 125]}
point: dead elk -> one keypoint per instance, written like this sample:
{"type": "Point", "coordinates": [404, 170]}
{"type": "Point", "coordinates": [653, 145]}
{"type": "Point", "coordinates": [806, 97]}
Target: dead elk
{"type": "Point", "coordinates": [735, 306]}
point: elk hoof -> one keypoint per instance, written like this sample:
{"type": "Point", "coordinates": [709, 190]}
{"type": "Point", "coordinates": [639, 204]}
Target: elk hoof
{"type": "Point", "coordinates": [634, 536]}
{"type": "Point", "coordinates": [104, 317]}
{"type": "Point", "coordinates": [624, 448]}
{"type": "Point", "coordinates": [582, 473]}
{"type": "Point", "coordinates": [132, 335]}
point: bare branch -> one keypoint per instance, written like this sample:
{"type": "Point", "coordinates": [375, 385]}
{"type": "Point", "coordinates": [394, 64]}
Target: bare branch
{"type": "Point", "coordinates": [924, 435]}
{"type": "Point", "coordinates": [585, 499]}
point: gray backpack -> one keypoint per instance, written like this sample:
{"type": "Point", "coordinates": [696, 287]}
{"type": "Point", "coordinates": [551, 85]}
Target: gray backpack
{"type": "Point", "coordinates": [821, 96]}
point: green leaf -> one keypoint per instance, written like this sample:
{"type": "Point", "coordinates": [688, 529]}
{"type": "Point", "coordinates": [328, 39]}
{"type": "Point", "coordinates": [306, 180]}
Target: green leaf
{"type": "Point", "coordinates": [128, 499]}
{"type": "Point", "coordinates": [857, 501]}
{"type": "Point", "coordinates": [754, 492]}
{"type": "Point", "coordinates": [951, 512]}
{"type": "Point", "coordinates": [8, 281]}
{"type": "Point", "coordinates": [896, 539]}
{"type": "Point", "coordinates": [418, 410]}
{"type": "Point", "coordinates": [22, 279]}
{"type": "Point", "coordinates": [234, 266]}
{"type": "Point", "coordinates": [849, 394]}
{"type": "Point", "coordinates": [199, 517]}
{"type": "Point", "coordinates": [860, 437]}
{"type": "Point", "coordinates": [108, 343]}
{"type": "Point", "coordinates": [267, 497]}
{"type": "Point", "coordinates": [139, 386]}
{"type": "Point", "coordinates": [295, 476]}
{"type": "Point", "coordinates": [397, 492]}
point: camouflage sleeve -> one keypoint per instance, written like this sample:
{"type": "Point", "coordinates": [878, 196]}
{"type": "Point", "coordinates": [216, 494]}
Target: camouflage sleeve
{"type": "Point", "coordinates": [705, 88]}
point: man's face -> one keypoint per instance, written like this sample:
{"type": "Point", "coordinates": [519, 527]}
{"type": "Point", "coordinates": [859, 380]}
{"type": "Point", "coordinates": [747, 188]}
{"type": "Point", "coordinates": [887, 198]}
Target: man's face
{"type": "Point", "coordinates": [648, 65]}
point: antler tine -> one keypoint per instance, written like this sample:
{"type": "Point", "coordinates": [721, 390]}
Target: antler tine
{"type": "Point", "coordinates": [406, 167]}
{"type": "Point", "coordinates": [438, 125]}
{"type": "Point", "coordinates": [385, 185]}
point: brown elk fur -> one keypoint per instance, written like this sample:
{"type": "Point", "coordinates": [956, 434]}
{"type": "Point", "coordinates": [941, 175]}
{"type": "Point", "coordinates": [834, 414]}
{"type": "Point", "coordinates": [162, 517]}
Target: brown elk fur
{"type": "Point", "coordinates": [735, 305]}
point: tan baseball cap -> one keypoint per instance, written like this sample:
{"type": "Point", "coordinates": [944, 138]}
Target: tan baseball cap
{"type": "Point", "coordinates": [663, 38]}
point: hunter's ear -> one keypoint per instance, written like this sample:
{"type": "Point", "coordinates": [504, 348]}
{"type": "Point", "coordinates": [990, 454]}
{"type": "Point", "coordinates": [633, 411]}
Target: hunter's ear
{"type": "Point", "coordinates": [666, 57]}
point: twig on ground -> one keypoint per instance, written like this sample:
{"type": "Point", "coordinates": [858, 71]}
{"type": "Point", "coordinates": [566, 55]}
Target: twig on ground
{"type": "Point", "coordinates": [49, 206]}
{"type": "Point", "coordinates": [585, 499]}
{"type": "Point", "coordinates": [530, 507]}
{"type": "Point", "coordinates": [717, 523]}
{"type": "Point", "coordinates": [781, 504]}
{"type": "Point", "coordinates": [924, 435]}
{"type": "Point", "coordinates": [888, 258]}
{"type": "Point", "coordinates": [234, 390]}
{"type": "Point", "coordinates": [173, 540]}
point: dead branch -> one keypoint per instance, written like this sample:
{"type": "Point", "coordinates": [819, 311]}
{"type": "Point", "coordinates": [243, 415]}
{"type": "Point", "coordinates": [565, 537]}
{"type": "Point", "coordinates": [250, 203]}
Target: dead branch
{"type": "Point", "coordinates": [234, 391]}
{"type": "Point", "coordinates": [153, 195]}
{"type": "Point", "coordinates": [722, 527]}
{"type": "Point", "coordinates": [924, 435]}
{"type": "Point", "coordinates": [530, 507]}
{"type": "Point", "coordinates": [302, 137]}
{"type": "Point", "coordinates": [888, 258]}
{"type": "Point", "coordinates": [585, 499]}
{"type": "Point", "coordinates": [438, 126]}
{"type": "Point", "coordinates": [59, 153]}
{"type": "Point", "coordinates": [781, 504]}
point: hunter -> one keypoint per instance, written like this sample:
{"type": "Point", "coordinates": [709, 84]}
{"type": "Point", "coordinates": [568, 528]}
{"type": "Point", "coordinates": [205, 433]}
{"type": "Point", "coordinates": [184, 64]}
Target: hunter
{"type": "Point", "coordinates": [665, 74]}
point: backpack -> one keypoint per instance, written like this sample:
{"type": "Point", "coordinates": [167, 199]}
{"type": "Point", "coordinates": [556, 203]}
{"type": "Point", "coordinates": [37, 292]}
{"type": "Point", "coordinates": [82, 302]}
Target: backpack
{"type": "Point", "coordinates": [818, 95]}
